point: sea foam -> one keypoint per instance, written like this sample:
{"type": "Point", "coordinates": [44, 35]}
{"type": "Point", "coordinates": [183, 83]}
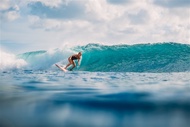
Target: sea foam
{"type": "Point", "coordinates": [10, 61]}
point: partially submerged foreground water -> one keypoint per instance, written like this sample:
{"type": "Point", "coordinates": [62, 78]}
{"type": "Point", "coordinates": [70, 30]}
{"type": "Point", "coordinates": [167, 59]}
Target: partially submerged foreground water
{"type": "Point", "coordinates": [94, 99]}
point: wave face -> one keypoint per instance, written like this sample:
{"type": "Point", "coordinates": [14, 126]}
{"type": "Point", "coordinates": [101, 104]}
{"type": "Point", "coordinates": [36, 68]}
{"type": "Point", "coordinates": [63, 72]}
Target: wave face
{"type": "Point", "coordinates": [159, 57]}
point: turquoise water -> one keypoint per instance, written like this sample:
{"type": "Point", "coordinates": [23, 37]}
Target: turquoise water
{"type": "Point", "coordinates": [136, 86]}
{"type": "Point", "coordinates": [160, 57]}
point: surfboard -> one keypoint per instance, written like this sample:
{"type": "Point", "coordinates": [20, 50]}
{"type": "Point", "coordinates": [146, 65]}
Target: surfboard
{"type": "Point", "coordinates": [63, 69]}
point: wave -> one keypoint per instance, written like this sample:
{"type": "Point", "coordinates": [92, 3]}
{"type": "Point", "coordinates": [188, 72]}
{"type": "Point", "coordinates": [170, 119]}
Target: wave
{"type": "Point", "coordinates": [159, 57]}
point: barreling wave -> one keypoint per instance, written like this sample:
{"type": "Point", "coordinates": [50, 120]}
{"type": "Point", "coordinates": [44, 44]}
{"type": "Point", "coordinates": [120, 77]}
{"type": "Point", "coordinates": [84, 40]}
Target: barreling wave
{"type": "Point", "coordinates": [159, 57]}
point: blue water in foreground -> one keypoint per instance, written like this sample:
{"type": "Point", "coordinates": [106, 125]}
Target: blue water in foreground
{"type": "Point", "coordinates": [144, 85]}
{"type": "Point", "coordinates": [94, 99]}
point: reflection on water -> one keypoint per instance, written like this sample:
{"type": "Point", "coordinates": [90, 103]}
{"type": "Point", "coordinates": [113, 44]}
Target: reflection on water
{"type": "Point", "coordinates": [85, 99]}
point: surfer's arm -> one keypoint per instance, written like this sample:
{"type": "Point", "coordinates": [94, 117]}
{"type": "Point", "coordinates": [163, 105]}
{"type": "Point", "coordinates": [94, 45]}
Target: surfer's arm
{"type": "Point", "coordinates": [78, 62]}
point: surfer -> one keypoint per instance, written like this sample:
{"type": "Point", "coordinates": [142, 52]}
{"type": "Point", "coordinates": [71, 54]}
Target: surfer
{"type": "Point", "coordinates": [72, 58]}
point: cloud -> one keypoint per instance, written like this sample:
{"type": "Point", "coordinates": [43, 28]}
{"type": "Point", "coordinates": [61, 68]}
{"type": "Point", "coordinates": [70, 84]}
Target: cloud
{"type": "Point", "coordinates": [172, 3]}
{"type": "Point", "coordinates": [70, 10]}
{"type": "Point", "coordinates": [140, 18]}
{"type": "Point", "coordinates": [5, 4]}
{"type": "Point", "coordinates": [118, 2]}
{"type": "Point", "coordinates": [54, 22]}
{"type": "Point", "coordinates": [50, 3]}
{"type": "Point", "coordinates": [9, 11]}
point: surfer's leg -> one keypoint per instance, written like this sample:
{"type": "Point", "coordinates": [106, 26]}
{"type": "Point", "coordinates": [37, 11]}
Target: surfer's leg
{"type": "Point", "coordinates": [74, 65]}
{"type": "Point", "coordinates": [67, 65]}
{"type": "Point", "coordinates": [70, 62]}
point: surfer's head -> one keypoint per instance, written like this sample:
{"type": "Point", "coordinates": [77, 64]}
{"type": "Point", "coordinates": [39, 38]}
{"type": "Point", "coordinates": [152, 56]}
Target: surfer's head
{"type": "Point", "coordinates": [80, 53]}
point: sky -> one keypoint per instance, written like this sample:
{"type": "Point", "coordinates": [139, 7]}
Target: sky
{"type": "Point", "coordinates": [29, 25]}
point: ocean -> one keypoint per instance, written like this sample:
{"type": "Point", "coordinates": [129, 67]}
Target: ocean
{"type": "Point", "coordinates": [141, 85]}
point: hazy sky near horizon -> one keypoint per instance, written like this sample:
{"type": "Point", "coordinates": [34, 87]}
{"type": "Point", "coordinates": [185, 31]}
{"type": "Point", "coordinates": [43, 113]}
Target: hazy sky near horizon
{"type": "Point", "coordinates": [41, 24]}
